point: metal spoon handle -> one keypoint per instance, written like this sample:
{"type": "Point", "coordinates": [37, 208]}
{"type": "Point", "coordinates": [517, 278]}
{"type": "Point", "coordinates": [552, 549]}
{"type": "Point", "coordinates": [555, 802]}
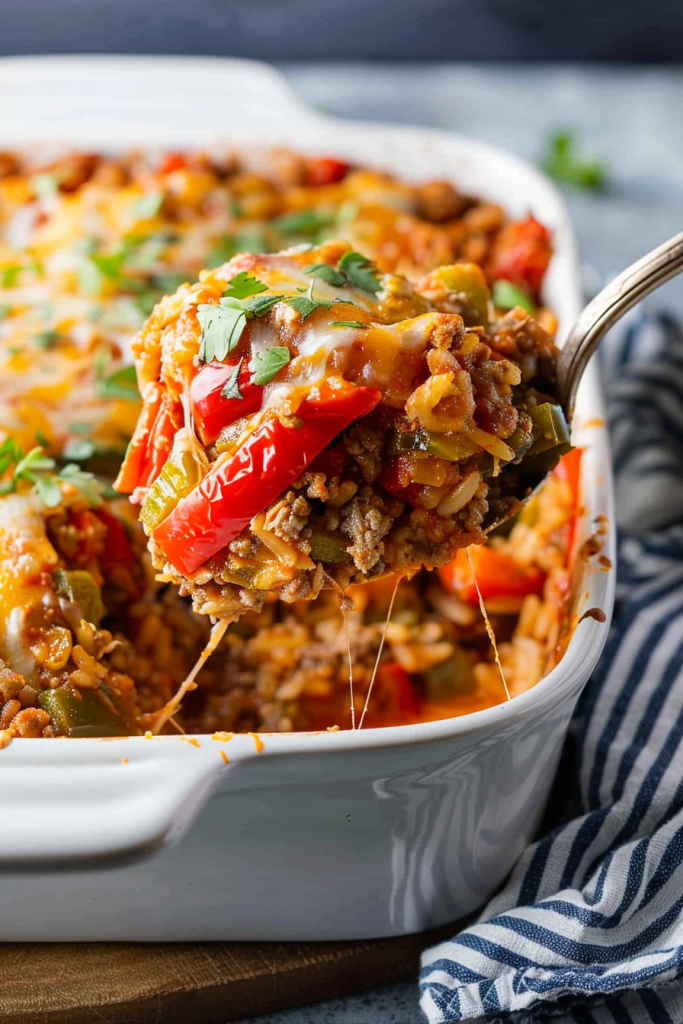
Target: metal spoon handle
{"type": "Point", "coordinates": [632, 285]}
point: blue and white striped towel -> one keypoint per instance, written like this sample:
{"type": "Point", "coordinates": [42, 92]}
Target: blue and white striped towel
{"type": "Point", "coordinates": [589, 928]}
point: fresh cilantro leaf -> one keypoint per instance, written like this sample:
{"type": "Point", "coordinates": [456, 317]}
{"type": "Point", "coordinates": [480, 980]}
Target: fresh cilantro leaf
{"type": "Point", "coordinates": [266, 364]}
{"type": "Point", "coordinates": [146, 301]}
{"type": "Point", "coordinates": [242, 286]}
{"type": "Point", "coordinates": [80, 428]}
{"type": "Point", "coordinates": [359, 272]}
{"type": "Point", "coordinates": [231, 388]}
{"type": "Point", "coordinates": [564, 162]}
{"type": "Point", "coordinates": [89, 486]}
{"type": "Point", "coordinates": [46, 488]}
{"type": "Point", "coordinates": [223, 251]}
{"type": "Point", "coordinates": [252, 240]}
{"type": "Point", "coordinates": [256, 307]}
{"type": "Point", "coordinates": [35, 461]}
{"type": "Point", "coordinates": [147, 206]}
{"type": "Point", "coordinates": [168, 283]}
{"type": "Point", "coordinates": [121, 384]}
{"type": "Point", "coordinates": [327, 273]}
{"type": "Point", "coordinates": [46, 339]}
{"type": "Point", "coordinates": [9, 276]}
{"type": "Point", "coordinates": [304, 222]}
{"type": "Point", "coordinates": [222, 328]}
{"type": "Point", "coordinates": [306, 304]}
{"type": "Point", "coordinates": [236, 208]}
{"type": "Point", "coordinates": [78, 450]}
{"type": "Point", "coordinates": [506, 295]}
{"type": "Point", "coordinates": [10, 453]}
{"type": "Point", "coordinates": [249, 240]}
{"type": "Point", "coordinates": [348, 323]}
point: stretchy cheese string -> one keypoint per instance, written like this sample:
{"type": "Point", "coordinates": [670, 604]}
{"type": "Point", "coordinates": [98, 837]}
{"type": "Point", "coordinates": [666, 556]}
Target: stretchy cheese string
{"type": "Point", "coordinates": [171, 707]}
{"type": "Point", "coordinates": [379, 652]}
{"type": "Point", "coordinates": [345, 617]}
{"type": "Point", "coordinates": [345, 614]}
{"type": "Point", "coordinates": [489, 627]}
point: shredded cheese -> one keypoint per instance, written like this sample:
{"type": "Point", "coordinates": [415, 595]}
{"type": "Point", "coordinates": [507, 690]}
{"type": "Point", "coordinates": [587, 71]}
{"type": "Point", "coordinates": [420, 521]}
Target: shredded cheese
{"type": "Point", "coordinates": [171, 707]}
{"type": "Point", "coordinates": [379, 652]}
{"type": "Point", "coordinates": [489, 627]}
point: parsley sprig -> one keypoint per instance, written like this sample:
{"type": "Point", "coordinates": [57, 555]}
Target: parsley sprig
{"type": "Point", "coordinates": [355, 271]}
{"type": "Point", "coordinates": [565, 162]}
{"type": "Point", "coordinates": [267, 363]}
{"type": "Point", "coordinates": [222, 324]}
{"type": "Point", "coordinates": [40, 470]}
{"type": "Point", "coordinates": [122, 383]}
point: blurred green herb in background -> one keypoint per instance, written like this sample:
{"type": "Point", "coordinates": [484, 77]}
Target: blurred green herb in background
{"type": "Point", "coordinates": [564, 161]}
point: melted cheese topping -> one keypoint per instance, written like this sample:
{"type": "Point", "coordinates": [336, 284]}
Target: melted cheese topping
{"type": "Point", "coordinates": [26, 555]}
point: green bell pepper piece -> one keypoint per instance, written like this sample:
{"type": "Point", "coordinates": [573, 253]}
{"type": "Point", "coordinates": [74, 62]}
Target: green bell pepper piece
{"type": "Point", "coordinates": [85, 713]}
{"type": "Point", "coordinates": [79, 587]}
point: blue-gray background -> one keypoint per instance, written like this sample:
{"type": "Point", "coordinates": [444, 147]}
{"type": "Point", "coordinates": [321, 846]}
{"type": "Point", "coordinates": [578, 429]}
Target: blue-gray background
{"type": "Point", "coordinates": [623, 30]}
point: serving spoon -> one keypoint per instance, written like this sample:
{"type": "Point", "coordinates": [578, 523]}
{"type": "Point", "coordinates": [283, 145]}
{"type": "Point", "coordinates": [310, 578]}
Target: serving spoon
{"type": "Point", "coordinates": [607, 308]}
{"type": "Point", "coordinates": [601, 313]}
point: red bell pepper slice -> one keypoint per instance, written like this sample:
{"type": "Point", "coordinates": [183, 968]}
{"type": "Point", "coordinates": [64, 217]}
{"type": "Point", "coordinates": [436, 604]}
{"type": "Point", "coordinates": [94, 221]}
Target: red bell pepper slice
{"type": "Point", "coordinates": [151, 443]}
{"type": "Point", "coordinates": [325, 170]}
{"type": "Point", "coordinates": [210, 409]}
{"type": "Point", "coordinates": [396, 690]}
{"type": "Point", "coordinates": [521, 254]}
{"type": "Point", "coordinates": [497, 574]}
{"type": "Point", "coordinates": [173, 162]}
{"type": "Point", "coordinates": [242, 484]}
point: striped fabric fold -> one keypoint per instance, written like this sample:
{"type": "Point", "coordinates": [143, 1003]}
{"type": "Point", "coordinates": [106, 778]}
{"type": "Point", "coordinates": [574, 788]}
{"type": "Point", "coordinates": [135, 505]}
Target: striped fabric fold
{"type": "Point", "coordinates": [589, 927]}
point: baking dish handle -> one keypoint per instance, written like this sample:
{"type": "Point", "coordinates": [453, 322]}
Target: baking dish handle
{"type": "Point", "coordinates": [84, 803]}
{"type": "Point", "coordinates": [127, 101]}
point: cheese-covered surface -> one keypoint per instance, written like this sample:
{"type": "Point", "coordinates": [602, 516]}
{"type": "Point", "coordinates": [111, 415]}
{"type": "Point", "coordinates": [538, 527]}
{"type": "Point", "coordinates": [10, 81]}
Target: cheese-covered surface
{"type": "Point", "coordinates": [88, 244]}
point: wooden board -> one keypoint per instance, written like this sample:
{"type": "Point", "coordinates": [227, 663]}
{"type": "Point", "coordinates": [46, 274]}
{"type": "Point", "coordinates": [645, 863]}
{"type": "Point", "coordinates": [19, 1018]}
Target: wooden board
{"type": "Point", "coordinates": [191, 983]}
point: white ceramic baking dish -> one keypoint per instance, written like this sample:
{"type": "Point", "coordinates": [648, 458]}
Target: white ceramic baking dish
{"type": "Point", "coordinates": [314, 836]}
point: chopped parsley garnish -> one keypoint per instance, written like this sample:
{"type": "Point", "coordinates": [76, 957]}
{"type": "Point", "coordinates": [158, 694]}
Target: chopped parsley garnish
{"type": "Point", "coordinates": [9, 276]}
{"type": "Point", "coordinates": [147, 206]}
{"type": "Point", "coordinates": [266, 364]}
{"type": "Point", "coordinates": [169, 282]}
{"type": "Point", "coordinates": [231, 387]}
{"type": "Point", "coordinates": [79, 450]}
{"type": "Point", "coordinates": [242, 286]}
{"type": "Point", "coordinates": [145, 302]}
{"type": "Point", "coordinates": [250, 240]}
{"type": "Point", "coordinates": [89, 486]}
{"type": "Point", "coordinates": [306, 304]}
{"type": "Point", "coordinates": [349, 323]}
{"type": "Point", "coordinates": [327, 273]}
{"type": "Point", "coordinates": [359, 272]}
{"type": "Point", "coordinates": [46, 339]}
{"type": "Point", "coordinates": [355, 271]}
{"type": "Point", "coordinates": [222, 328]}
{"type": "Point", "coordinates": [222, 325]}
{"type": "Point", "coordinates": [120, 384]}
{"type": "Point", "coordinates": [304, 222]}
{"type": "Point", "coordinates": [506, 295]}
{"type": "Point", "coordinates": [259, 306]}
{"type": "Point", "coordinates": [39, 469]}
{"type": "Point", "coordinates": [564, 162]}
